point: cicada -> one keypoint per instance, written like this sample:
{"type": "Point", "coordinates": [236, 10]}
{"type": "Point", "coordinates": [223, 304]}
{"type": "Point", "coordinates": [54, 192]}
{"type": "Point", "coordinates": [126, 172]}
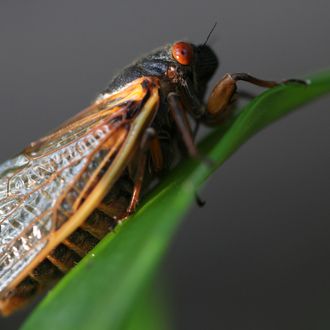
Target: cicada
{"type": "Point", "coordinates": [65, 192]}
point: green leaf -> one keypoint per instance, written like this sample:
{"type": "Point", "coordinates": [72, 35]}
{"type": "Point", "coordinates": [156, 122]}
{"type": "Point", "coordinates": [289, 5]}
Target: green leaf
{"type": "Point", "coordinates": [105, 290]}
{"type": "Point", "coordinates": [150, 313]}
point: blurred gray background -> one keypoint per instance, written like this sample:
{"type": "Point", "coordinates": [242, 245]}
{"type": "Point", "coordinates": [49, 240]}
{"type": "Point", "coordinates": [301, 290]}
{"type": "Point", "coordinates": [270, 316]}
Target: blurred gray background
{"type": "Point", "coordinates": [257, 255]}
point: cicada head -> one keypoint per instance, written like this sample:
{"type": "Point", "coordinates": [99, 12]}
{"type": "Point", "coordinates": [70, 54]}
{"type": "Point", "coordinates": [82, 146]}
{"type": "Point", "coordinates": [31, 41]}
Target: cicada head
{"type": "Point", "coordinates": [192, 66]}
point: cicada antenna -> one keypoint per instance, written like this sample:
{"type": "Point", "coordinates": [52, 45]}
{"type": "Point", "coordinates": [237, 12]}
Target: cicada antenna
{"type": "Point", "coordinates": [210, 33]}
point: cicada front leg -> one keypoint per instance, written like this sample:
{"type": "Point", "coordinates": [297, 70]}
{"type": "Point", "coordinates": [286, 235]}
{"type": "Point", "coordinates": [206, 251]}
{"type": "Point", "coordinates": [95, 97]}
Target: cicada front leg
{"type": "Point", "coordinates": [218, 105]}
{"type": "Point", "coordinates": [178, 111]}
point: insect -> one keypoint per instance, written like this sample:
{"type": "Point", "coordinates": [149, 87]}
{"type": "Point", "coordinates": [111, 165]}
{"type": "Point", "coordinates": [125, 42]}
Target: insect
{"type": "Point", "coordinates": [65, 192]}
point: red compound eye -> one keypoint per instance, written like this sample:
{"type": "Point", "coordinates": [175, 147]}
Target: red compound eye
{"type": "Point", "coordinates": [182, 52]}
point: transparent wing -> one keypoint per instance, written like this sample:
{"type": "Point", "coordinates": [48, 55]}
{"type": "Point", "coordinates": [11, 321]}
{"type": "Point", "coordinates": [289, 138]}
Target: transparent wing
{"type": "Point", "coordinates": [43, 187]}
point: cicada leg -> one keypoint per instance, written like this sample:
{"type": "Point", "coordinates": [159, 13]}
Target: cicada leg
{"type": "Point", "coordinates": [222, 95]}
{"type": "Point", "coordinates": [138, 181]}
{"type": "Point", "coordinates": [157, 158]}
{"type": "Point", "coordinates": [179, 115]}
{"type": "Point", "coordinates": [150, 142]}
